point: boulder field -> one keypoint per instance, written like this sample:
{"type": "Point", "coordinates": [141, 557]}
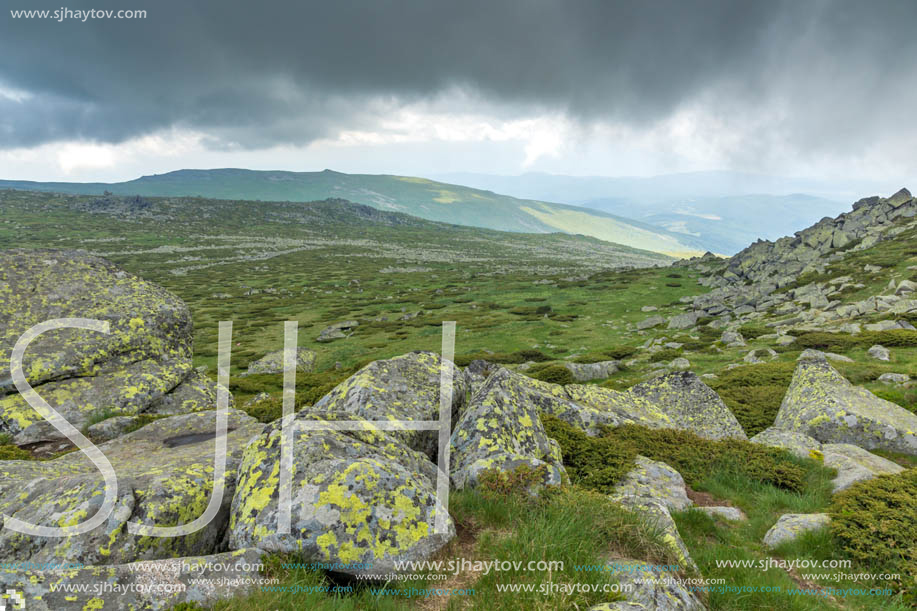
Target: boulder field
{"type": "Point", "coordinates": [359, 494]}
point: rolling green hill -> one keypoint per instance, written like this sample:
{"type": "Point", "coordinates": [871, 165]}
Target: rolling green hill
{"type": "Point", "coordinates": [416, 196]}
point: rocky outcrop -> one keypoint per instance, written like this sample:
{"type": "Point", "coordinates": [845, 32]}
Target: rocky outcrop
{"type": "Point", "coordinates": [165, 478]}
{"type": "Point", "coordinates": [791, 525]}
{"type": "Point", "coordinates": [154, 585]}
{"type": "Point", "coordinates": [359, 497]}
{"type": "Point", "coordinates": [273, 362]}
{"type": "Point", "coordinates": [676, 400]}
{"type": "Point", "coordinates": [142, 365]}
{"type": "Point", "coordinates": [340, 330]}
{"type": "Point", "coordinates": [822, 404]}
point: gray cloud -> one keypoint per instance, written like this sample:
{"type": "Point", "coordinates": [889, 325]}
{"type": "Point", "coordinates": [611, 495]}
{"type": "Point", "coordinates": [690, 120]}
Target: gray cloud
{"type": "Point", "coordinates": [819, 75]}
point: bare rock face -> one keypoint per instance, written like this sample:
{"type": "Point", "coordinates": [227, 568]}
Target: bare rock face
{"type": "Point", "coordinates": [142, 365]}
{"type": "Point", "coordinates": [822, 404]}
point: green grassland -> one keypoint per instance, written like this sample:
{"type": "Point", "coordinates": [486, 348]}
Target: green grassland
{"type": "Point", "coordinates": [515, 297]}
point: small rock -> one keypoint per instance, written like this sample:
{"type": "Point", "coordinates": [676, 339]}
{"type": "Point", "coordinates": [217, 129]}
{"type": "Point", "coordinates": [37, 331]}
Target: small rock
{"type": "Point", "coordinates": [879, 353]}
{"type": "Point", "coordinates": [339, 330]}
{"type": "Point", "coordinates": [894, 378]}
{"type": "Point", "coordinates": [680, 364]}
{"type": "Point", "coordinates": [792, 525]}
{"type": "Point", "coordinates": [729, 513]}
{"type": "Point", "coordinates": [649, 323]}
{"type": "Point", "coordinates": [648, 309]}
{"type": "Point", "coordinates": [785, 340]}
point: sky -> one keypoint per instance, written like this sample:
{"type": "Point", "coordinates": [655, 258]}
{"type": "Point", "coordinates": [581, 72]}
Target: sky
{"type": "Point", "coordinates": [816, 88]}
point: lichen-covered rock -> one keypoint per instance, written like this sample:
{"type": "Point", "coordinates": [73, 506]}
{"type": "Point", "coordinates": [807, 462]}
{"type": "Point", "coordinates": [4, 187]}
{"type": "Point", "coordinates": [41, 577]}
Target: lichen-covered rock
{"type": "Point", "coordinates": [501, 429]}
{"type": "Point", "coordinates": [894, 378]}
{"type": "Point", "coordinates": [406, 387]}
{"type": "Point", "coordinates": [854, 464]}
{"type": "Point", "coordinates": [654, 480]}
{"type": "Point", "coordinates": [798, 443]}
{"type": "Point", "coordinates": [657, 515]}
{"type": "Point", "coordinates": [684, 321]}
{"type": "Point", "coordinates": [141, 366]}
{"type": "Point", "coordinates": [477, 372]}
{"type": "Point", "coordinates": [357, 497]}
{"type": "Point", "coordinates": [153, 585]}
{"type": "Point", "coordinates": [165, 477]}
{"type": "Point", "coordinates": [650, 322]}
{"type": "Point", "coordinates": [126, 391]}
{"type": "Point", "coordinates": [111, 428]}
{"type": "Point", "coordinates": [821, 403]}
{"type": "Point", "coordinates": [791, 525]}
{"type": "Point", "coordinates": [273, 362]}
{"type": "Point", "coordinates": [147, 322]}
{"type": "Point", "coordinates": [677, 400]}
{"type": "Point", "coordinates": [649, 590]}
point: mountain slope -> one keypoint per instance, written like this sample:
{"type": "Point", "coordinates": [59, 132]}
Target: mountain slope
{"type": "Point", "coordinates": [722, 210]}
{"type": "Point", "coordinates": [416, 196]}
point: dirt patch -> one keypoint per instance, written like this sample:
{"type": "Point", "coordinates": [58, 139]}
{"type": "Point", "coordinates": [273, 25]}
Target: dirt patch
{"type": "Point", "coordinates": [463, 546]}
{"type": "Point", "coordinates": [705, 499]}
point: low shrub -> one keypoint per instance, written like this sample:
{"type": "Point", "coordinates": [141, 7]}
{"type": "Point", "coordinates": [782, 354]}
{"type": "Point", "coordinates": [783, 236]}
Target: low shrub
{"type": "Point", "coordinates": [666, 354]}
{"type": "Point", "coordinates": [620, 352]}
{"type": "Point", "coordinates": [876, 522]}
{"type": "Point", "coordinates": [754, 331]}
{"type": "Point", "coordinates": [596, 463]}
{"type": "Point", "coordinates": [754, 393]}
{"type": "Point", "coordinates": [555, 374]}
{"type": "Point", "coordinates": [840, 342]}
{"type": "Point", "coordinates": [600, 462]}
{"type": "Point", "coordinates": [9, 451]}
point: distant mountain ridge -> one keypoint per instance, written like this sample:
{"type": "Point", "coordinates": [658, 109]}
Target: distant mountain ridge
{"type": "Point", "coordinates": [419, 197]}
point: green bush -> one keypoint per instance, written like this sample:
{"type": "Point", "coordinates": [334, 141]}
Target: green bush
{"type": "Point", "coordinates": [503, 358]}
{"type": "Point", "coordinates": [12, 452]}
{"type": "Point", "coordinates": [600, 462]}
{"type": "Point", "coordinates": [556, 374]}
{"type": "Point", "coordinates": [696, 457]}
{"type": "Point", "coordinates": [666, 354]}
{"type": "Point", "coordinates": [876, 522]}
{"type": "Point", "coordinates": [754, 393]}
{"type": "Point", "coordinates": [754, 331]}
{"type": "Point", "coordinates": [596, 463]}
{"type": "Point", "coordinates": [840, 342]}
{"type": "Point", "coordinates": [620, 352]}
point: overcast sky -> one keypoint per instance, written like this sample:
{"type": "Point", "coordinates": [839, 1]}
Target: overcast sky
{"type": "Point", "coordinates": [811, 88]}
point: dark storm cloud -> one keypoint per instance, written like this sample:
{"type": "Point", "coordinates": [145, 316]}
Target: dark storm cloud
{"type": "Point", "coordinates": [254, 74]}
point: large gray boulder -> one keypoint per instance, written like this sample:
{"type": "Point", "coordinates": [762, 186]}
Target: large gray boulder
{"type": "Point", "coordinates": [141, 366]}
{"type": "Point", "coordinates": [822, 404]}
{"type": "Point", "coordinates": [676, 400]}
{"type": "Point", "coordinates": [165, 478]}
{"type": "Point", "coordinates": [154, 585]}
{"type": "Point", "coordinates": [406, 387]}
{"type": "Point", "coordinates": [653, 480]}
{"type": "Point", "coordinates": [361, 498]}
{"type": "Point", "coordinates": [501, 429]}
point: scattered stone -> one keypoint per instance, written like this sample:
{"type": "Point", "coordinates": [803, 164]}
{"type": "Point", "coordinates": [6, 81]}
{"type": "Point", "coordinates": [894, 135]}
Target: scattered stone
{"type": "Point", "coordinates": [683, 321]}
{"type": "Point", "coordinates": [792, 525]}
{"type": "Point", "coordinates": [879, 353]}
{"type": "Point", "coordinates": [648, 309]}
{"type": "Point", "coordinates": [733, 339]}
{"type": "Point", "coordinates": [339, 330]}
{"type": "Point", "coordinates": [680, 364]}
{"type": "Point", "coordinates": [273, 362]}
{"type": "Point", "coordinates": [649, 323]}
{"type": "Point", "coordinates": [261, 396]}
{"type": "Point", "coordinates": [647, 589]}
{"type": "Point", "coordinates": [785, 340]}
{"type": "Point", "coordinates": [584, 372]}
{"type": "Point", "coordinates": [894, 378]}
{"type": "Point", "coordinates": [838, 357]}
